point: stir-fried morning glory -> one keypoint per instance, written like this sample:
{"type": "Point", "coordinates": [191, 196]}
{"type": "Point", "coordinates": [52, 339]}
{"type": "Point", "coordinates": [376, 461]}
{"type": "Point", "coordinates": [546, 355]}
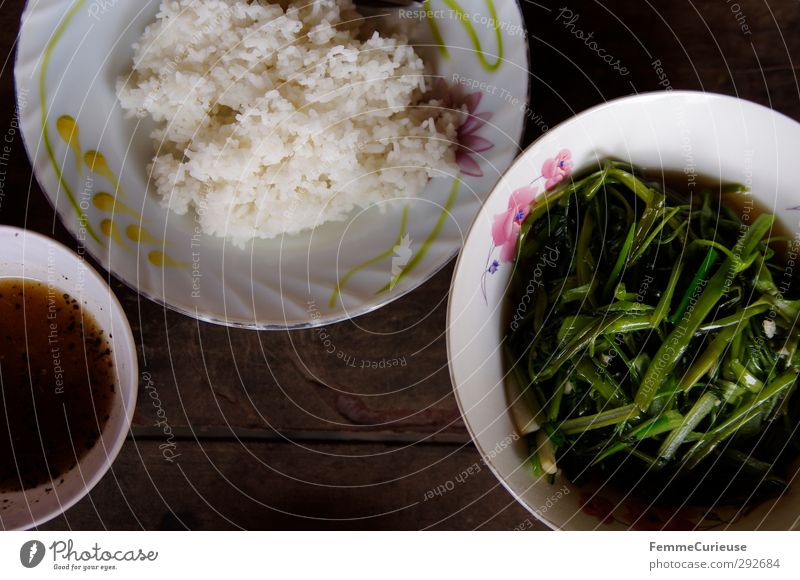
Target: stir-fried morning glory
{"type": "Point", "coordinates": [662, 343]}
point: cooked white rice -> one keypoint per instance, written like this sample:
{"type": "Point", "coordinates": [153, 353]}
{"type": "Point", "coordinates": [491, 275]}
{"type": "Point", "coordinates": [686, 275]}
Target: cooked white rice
{"type": "Point", "coordinates": [273, 121]}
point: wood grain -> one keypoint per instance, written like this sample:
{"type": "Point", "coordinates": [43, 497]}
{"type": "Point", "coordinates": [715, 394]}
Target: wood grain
{"type": "Point", "coordinates": [245, 485]}
{"type": "Point", "coordinates": [233, 396]}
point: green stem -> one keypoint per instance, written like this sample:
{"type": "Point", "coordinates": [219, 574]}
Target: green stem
{"type": "Point", "coordinates": [706, 361]}
{"type": "Point", "coordinates": [741, 415]}
{"type": "Point", "coordinates": [675, 345]}
{"type": "Point", "coordinates": [599, 420]}
{"type": "Point", "coordinates": [711, 258]}
{"type": "Point", "coordinates": [698, 412]}
{"type": "Point", "coordinates": [623, 255]}
{"type": "Point", "coordinates": [603, 384]}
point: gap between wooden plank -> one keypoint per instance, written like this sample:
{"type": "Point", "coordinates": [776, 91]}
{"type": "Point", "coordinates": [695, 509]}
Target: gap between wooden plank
{"type": "Point", "coordinates": [221, 433]}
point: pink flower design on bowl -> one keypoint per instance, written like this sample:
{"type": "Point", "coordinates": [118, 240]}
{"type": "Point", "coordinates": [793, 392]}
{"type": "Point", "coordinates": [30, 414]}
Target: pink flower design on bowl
{"type": "Point", "coordinates": [556, 169]}
{"type": "Point", "coordinates": [507, 225]}
{"type": "Point", "coordinates": [469, 142]}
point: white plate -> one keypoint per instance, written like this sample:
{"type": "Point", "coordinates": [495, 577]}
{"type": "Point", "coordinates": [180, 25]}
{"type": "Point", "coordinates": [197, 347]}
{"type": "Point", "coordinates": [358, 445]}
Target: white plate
{"type": "Point", "coordinates": [70, 55]}
{"type": "Point", "coordinates": [707, 135]}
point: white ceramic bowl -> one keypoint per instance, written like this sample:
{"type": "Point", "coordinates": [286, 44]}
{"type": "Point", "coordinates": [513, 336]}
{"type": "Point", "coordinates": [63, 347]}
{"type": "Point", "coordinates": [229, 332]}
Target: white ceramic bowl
{"type": "Point", "coordinates": [717, 136]}
{"type": "Point", "coordinates": [28, 255]}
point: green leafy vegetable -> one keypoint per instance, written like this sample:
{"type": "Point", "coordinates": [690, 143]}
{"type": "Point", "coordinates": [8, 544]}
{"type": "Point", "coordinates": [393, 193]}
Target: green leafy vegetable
{"type": "Point", "coordinates": [664, 339]}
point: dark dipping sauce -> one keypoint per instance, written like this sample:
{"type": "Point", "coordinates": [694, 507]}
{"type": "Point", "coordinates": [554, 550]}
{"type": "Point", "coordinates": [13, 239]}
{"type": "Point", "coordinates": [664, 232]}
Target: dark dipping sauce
{"type": "Point", "coordinates": [57, 380]}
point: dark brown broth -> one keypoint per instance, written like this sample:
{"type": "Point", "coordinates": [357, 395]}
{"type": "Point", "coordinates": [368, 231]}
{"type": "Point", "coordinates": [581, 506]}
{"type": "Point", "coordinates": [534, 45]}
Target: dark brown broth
{"type": "Point", "coordinates": [57, 383]}
{"type": "Point", "coordinates": [746, 205]}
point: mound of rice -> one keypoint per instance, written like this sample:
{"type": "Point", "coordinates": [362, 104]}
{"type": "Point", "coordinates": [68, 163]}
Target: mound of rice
{"type": "Point", "coordinates": [272, 120]}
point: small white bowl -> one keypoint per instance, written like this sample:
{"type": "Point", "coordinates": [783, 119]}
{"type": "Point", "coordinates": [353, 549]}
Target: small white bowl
{"type": "Point", "coordinates": [714, 136]}
{"type": "Point", "coordinates": [28, 255]}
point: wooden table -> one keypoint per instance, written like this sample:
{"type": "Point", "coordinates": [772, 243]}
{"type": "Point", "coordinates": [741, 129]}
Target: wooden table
{"type": "Point", "coordinates": [272, 432]}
